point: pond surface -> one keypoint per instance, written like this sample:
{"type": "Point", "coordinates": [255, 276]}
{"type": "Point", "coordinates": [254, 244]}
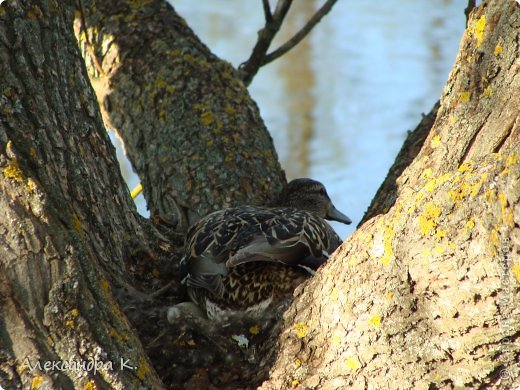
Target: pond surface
{"type": "Point", "coordinates": [340, 104]}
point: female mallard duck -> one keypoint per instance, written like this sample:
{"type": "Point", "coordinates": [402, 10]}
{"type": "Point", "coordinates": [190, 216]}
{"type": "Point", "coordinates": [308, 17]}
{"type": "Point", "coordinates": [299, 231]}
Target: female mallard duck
{"type": "Point", "coordinates": [249, 258]}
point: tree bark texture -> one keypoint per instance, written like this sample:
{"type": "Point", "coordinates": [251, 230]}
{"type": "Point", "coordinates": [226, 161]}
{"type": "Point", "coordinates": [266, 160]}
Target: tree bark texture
{"type": "Point", "coordinates": [421, 296]}
{"type": "Point", "coordinates": [66, 218]}
{"type": "Point", "coordinates": [191, 131]}
{"type": "Point", "coordinates": [426, 294]}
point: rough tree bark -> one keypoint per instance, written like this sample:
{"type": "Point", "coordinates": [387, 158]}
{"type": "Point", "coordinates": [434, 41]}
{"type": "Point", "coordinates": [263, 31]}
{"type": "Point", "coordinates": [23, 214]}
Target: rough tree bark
{"type": "Point", "coordinates": [425, 294]}
{"type": "Point", "coordinates": [421, 295]}
{"type": "Point", "coordinates": [66, 218]}
{"type": "Point", "coordinates": [71, 235]}
{"type": "Point", "coordinates": [192, 133]}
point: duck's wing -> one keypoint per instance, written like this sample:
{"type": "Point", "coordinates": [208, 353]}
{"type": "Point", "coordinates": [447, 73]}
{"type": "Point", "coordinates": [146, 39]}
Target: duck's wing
{"type": "Point", "coordinates": [211, 241]}
{"type": "Point", "coordinates": [210, 282]}
{"type": "Point", "coordinates": [231, 237]}
{"type": "Point", "coordinates": [223, 232]}
{"type": "Point", "coordinates": [289, 237]}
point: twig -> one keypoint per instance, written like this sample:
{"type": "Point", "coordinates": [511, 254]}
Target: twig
{"type": "Point", "coordinates": [281, 9]}
{"type": "Point", "coordinates": [259, 56]}
{"type": "Point", "coordinates": [471, 4]}
{"type": "Point", "coordinates": [265, 36]}
{"type": "Point", "coordinates": [267, 11]}
{"type": "Point", "coordinates": [167, 286]}
{"type": "Point", "coordinates": [324, 10]}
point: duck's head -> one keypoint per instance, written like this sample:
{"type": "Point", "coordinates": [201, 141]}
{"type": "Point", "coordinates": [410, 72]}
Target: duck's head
{"type": "Point", "coordinates": [310, 195]}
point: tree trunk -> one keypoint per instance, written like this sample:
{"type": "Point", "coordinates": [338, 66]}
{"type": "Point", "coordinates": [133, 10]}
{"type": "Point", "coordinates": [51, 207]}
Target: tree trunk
{"type": "Point", "coordinates": [425, 293]}
{"type": "Point", "coordinates": [66, 218]}
{"type": "Point", "coordinates": [191, 131]}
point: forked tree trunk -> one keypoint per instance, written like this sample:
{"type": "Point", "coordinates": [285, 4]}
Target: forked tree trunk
{"type": "Point", "coordinates": [423, 295]}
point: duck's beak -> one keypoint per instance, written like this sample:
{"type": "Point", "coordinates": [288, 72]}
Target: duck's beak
{"type": "Point", "coordinates": [335, 215]}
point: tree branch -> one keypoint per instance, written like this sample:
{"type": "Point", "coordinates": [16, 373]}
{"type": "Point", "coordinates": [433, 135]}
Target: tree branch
{"type": "Point", "coordinates": [259, 57]}
{"type": "Point", "coordinates": [324, 10]}
{"type": "Point", "coordinates": [248, 69]}
{"type": "Point", "coordinates": [267, 11]}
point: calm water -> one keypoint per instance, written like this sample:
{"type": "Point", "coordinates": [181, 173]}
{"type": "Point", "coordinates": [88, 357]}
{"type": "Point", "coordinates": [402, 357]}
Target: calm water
{"type": "Point", "coordinates": [339, 105]}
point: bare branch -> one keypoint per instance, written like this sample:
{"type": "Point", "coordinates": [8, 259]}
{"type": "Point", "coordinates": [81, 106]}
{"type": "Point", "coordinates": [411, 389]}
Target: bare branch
{"type": "Point", "coordinates": [324, 10]}
{"type": "Point", "coordinates": [281, 9]}
{"type": "Point", "coordinates": [266, 35]}
{"type": "Point", "coordinates": [258, 58]}
{"type": "Point", "coordinates": [267, 11]}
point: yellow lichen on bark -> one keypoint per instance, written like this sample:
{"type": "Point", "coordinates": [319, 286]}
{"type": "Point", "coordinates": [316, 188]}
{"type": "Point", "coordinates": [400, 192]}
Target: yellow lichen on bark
{"type": "Point", "coordinates": [375, 320]}
{"type": "Point", "coordinates": [121, 337]}
{"type": "Point", "coordinates": [478, 30]}
{"type": "Point", "coordinates": [352, 363]}
{"type": "Point", "coordinates": [464, 96]}
{"type": "Point", "coordinates": [301, 330]}
{"type": "Point", "coordinates": [76, 223]}
{"type": "Point", "coordinates": [37, 382]}
{"type": "Point", "coordinates": [515, 269]}
{"type": "Point", "coordinates": [143, 368]}
{"type": "Point", "coordinates": [89, 385]}
{"type": "Point", "coordinates": [428, 219]}
{"type": "Point", "coordinates": [13, 171]}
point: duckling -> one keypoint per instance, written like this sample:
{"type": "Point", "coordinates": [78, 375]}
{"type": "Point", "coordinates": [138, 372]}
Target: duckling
{"type": "Point", "coordinates": [248, 259]}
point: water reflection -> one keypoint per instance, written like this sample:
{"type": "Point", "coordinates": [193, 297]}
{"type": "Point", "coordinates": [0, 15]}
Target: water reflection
{"type": "Point", "coordinates": [298, 82]}
{"type": "Point", "coordinates": [338, 106]}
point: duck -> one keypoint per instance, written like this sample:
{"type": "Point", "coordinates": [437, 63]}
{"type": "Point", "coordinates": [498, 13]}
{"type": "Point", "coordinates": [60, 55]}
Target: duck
{"type": "Point", "coordinates": [249, 259]}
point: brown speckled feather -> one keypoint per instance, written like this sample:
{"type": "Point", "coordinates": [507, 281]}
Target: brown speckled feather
{"type": "Point", "coordinates": [248, 256]}
{"type": "Point", "coordinates": [249, 285]}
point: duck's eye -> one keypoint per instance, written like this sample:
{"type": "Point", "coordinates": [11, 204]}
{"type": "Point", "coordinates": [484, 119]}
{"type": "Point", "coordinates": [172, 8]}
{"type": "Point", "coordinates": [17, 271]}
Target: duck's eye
{"type": "Point", "coordinates": [322, 191]}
